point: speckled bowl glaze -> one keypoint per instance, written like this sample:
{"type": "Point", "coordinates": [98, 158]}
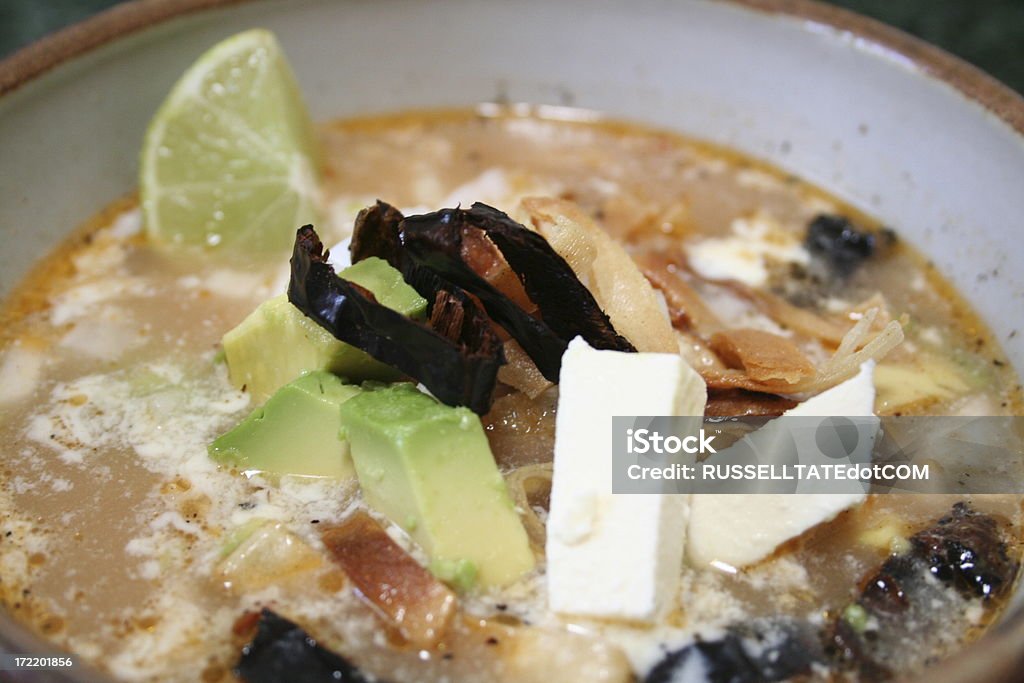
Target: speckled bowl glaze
{"type": "Point", "coordinates": [902, 130]}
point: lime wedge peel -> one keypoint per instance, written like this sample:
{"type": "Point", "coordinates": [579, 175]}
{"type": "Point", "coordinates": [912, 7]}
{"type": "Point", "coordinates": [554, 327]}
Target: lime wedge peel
{"type": "Point", "coordinates": [230, 159]}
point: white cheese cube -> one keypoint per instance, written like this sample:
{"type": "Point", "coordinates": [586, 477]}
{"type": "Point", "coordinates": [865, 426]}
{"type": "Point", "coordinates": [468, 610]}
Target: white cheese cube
{"type": "Point", "coordinates": [853, 398]}
{"type": "Point", "coordinates": [613, 556]}
{"type": "Point", "coordinates": [738, 530]}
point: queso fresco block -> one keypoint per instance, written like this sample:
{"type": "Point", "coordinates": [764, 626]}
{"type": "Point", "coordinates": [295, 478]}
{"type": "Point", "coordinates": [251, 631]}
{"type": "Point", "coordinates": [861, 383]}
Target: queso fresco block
{"type": "Point", "coordinates": [741, 530]}
{"type": "Point", "coordinates": [613, 556]}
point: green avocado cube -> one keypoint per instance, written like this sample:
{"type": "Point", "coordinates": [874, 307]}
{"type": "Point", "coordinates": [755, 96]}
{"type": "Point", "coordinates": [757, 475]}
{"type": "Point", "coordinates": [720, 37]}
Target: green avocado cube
{"type": "Point", "coordinates": [277, 342]}
{"type": "Point", "coordinates": [387, 285]}
{"type": "Point", "coordinates": [297, 431]}
{"type": "Point", "coordinates": [428, 467]}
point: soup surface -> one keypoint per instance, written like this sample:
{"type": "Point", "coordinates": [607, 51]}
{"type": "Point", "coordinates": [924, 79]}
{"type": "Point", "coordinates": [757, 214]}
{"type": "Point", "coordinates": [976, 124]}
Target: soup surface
{"type": "Point", "coordinates": [117, 525]}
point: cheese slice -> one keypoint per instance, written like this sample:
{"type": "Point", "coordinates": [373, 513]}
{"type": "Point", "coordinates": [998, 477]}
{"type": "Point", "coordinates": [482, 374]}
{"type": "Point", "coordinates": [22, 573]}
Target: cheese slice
{"type": "Point", "coordinates": [736, 530]}
{"type": "Point", "coordinates": [746, 253]}
{"type": "Point", "coordinates": [613, 556]}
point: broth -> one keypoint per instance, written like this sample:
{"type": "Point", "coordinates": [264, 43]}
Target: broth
{"type": "Point", "coordinates": [114, 519]}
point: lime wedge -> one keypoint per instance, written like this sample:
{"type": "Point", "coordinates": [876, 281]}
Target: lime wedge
{"type": "Point", "coordinates": [230, 159]}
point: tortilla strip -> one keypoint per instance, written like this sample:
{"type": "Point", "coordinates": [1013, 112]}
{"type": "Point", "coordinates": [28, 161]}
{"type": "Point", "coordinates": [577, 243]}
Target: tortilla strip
{"type": "Point", "coordinates": [608, 271]}
{"type": "Point", "coordinates": [762, 355]}
{"type": "Point", "coordinates": [685, 305]}
{"type": "Point", "coordinates": [412, 600]}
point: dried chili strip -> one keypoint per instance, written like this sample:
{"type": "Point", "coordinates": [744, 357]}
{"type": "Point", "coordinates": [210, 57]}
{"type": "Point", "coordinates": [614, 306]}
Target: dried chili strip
{"type": "Point", "coordinates": [281, 651]}
{"type": "Point", "coordinates": [428, 249]}
{"type": "Point", "coordinates": [459, 367]}
{"type": "Point", "coordinates": [566, 307]}
{"type": "Point", "coordinates": [376, 233]}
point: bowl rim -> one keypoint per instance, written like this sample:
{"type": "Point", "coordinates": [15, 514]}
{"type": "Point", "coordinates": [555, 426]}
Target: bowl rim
{"type": "Point", "coordinates": [42, 56]}
{"type": "Point", "coordinates": [45, 54]}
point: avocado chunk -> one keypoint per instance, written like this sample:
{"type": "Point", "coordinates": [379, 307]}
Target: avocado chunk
{"type": "Point", "coordinates": [298, 431]}
{"type": "Point", "coordinates": [387, 285]}
{"type": "Point", "coordinates": [428, 467]}
{"type": "Point", "coordinates": [276, 343]}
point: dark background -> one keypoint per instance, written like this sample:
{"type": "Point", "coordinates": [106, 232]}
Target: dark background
{"type": "Point", "coordinates": [989, 33]}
